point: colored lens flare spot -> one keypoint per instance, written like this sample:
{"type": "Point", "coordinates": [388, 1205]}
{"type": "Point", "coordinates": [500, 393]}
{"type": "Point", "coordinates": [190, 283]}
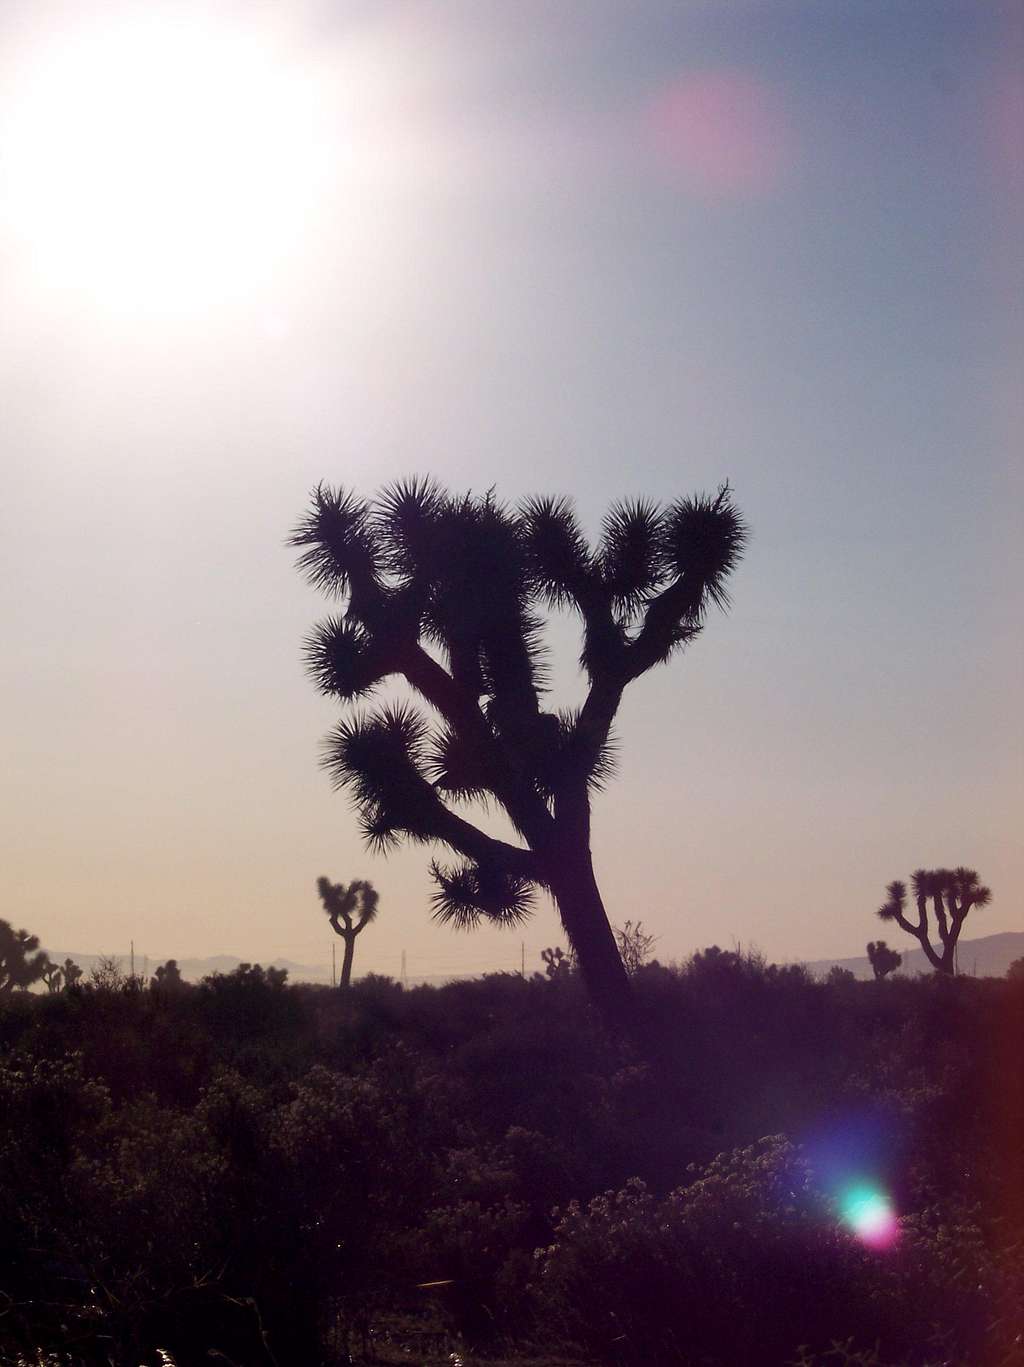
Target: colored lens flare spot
{"type": "Point", "coordinates": [870, 1215]}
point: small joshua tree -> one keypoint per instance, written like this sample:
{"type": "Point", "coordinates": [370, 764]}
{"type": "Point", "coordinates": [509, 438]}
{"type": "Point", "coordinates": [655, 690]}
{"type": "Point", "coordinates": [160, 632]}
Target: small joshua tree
{"type": "Point", "coordinates": [447, 592]}
{"type": "Point", "coordinates": [952, 893]}
{"type": "Point", "coordinates": [53, 978]}
{"type": "Point", "coordinates": [72, 973]}
{"type": "Point", "coordinates": [167, 978]}
{"type": "Point", "coordinates": [557, 964]}
{"type": "Point", "coordinates": [22, 962]}
{"type": "Point", "coordinates": [883, 959]}
{"type": "Point", "coordinates": [349, 910]}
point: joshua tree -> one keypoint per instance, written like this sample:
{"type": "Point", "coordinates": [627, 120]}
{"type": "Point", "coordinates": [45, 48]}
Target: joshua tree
{"type": "Point", "coordinates": [20, 963]}
{"type": "Point", "coordinates": [53, 977]}
{"type": "Point", "coordinates": [557, 964]}
{"type": "Point", "coordinates": [952, 892]}
{"type": "Point", "coordinates": [883, 959]}
{"type": "Point", "coordinates": [444, 591]}
{"type": "Point", "coordinates": [340, 903]}
{"type": "Point", "coordinates": [167, 977]}
{"type": "Point", "coordinates": [72, 973]}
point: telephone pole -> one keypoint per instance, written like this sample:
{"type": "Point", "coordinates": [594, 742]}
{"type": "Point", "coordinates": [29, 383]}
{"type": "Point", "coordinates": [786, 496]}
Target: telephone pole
{"type": "Point", "coordinates": [404, 978]}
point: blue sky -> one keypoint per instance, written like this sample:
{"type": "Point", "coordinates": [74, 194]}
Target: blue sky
{"type": "Point", "coordinates": [593, 249]}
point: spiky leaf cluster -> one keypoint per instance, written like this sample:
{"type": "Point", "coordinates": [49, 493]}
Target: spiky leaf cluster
{"type": "Point", "coordinates": [469, 893]}
{"type": "Point", "coordinates": [379, 758]}
{"type": "Point", "coordinates": [341, 901]}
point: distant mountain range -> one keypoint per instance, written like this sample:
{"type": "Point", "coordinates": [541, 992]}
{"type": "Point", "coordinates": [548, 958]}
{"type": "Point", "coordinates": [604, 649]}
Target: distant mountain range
{"type": "Point", "coordinates": [987, 957]}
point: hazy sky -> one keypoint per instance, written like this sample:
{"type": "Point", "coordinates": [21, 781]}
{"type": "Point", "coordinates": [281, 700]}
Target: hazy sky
{"type": "Point", "coordinates": [593, 248]}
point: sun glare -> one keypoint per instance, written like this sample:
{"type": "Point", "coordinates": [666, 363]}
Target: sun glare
{"type": "Point", "coordinates": [161, 162]}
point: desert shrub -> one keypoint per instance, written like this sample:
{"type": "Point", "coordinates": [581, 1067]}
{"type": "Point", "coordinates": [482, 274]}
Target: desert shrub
{"type": "Point", "coordinates": [254, 1158]}
{"type": "Point", "coordinates": [749, 1262]}
{"type": "Point", "coordinates": [739, 1266]}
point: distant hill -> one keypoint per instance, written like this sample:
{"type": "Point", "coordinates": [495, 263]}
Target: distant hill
{"type": "Point", "coordinates": [987, 957]}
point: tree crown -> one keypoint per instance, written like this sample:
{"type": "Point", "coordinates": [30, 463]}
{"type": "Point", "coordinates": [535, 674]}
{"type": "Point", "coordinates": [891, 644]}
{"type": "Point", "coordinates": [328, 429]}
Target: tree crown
{"type": "Point", "coordinates": [447, 590]}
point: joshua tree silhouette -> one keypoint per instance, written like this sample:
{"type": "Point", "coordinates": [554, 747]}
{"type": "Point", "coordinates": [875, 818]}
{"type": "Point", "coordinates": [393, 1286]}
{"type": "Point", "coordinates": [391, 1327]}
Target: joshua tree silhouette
{"type": "Point", "coordinates": [53, 977]}
{"type": "Point", "coordinates": [167, 978]}
{"type": "Point", "coordinates": [20, 963]}
{"type": "Point", "coordinates": [444, 591]}
{"type": "Point", "coordinates": [883, 959]}
{"type": "Point", "coordinates": [72, 973]}
{"type": "Point", "coordinates": [952, 892]}
{"type": "Point", "coordinates": [340, 903]}
{"type": "Point", "coordinates": [557, 964]}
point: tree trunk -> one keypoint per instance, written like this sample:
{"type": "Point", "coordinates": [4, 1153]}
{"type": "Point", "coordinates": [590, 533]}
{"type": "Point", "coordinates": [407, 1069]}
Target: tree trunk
{"type": "Point", "coordinates": [346, 964]}
{"type": "Point", "coordinates": [586, 924]}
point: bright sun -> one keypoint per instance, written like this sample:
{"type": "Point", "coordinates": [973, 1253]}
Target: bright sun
{"type": "Point", "coordinates": [161, 161]}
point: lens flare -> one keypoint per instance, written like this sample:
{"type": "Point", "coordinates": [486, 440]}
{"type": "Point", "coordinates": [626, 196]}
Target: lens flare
{"type": "Point", "coordinates": [870, 1215]}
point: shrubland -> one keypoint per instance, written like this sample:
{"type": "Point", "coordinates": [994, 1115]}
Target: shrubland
{"type": "Point", "coordinates": [283, 1173]}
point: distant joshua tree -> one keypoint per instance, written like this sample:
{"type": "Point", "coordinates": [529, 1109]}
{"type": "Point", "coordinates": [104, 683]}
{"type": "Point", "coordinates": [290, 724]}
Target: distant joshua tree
{"type": "Point", "coordinates": [883, 959]}
{"type": "Point", "coordinates": [557, 964]}
{"type": "Point", "coordinates": [445, 591]}
{"type": "Point", "coordinates": [167, 978]}
{"type": "Point", "coordinates": [72, 973]}
{"type": "Point", "coordinates": [952, 893]}
{"type": "Point", "coordinates": [53, 977]}
{"type": "Point", "coordinates": [349, 910]}
{"type": "Point", "coordinates": [22, 962]}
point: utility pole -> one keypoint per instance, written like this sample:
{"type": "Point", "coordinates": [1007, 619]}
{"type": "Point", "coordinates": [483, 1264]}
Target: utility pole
{"type": "Point", "coordinates": [522, 959]}
{"type": "Point", "coordinates": [404, 978]}
{"type": "Point", "coordinates": [132, 957]}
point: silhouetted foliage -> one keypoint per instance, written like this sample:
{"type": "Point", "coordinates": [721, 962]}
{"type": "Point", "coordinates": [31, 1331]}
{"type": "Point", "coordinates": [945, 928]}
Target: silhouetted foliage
{"type": "Point", "coordinates": [349, 909]}
{"type": "Point", "coordinates": [557, 964]}
{"type": "Point", "coordinates": [420, 570]}
{"type": "Point", "coordinates": [22, 962]}
{"type": "Point", "coordinates": [883, 959]}
{"type": "Point", "coordinates": [53, 977]}
{"type": "Point", "coordinates": [72, 974]}
{"type": "Point", "coordinates": [953, 892]}
{"type": "Point", "coordinates": [167, 978]}
{"type": "Point", "coordinates": [1015, 972]}
{"type": "Point", "coordinates": [635, 945]}
{"type": "Point", "coordinates": [107, 975]}
{"type": "Point", "coordinates": [839, 977]}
